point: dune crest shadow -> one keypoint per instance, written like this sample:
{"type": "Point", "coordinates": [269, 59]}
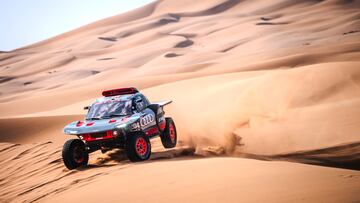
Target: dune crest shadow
{"type": "Point", "coordinates": [346, 156]}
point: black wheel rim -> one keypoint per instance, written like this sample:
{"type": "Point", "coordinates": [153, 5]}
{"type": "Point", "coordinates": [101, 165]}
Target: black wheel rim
{"type": "Point", "coordinates": [78, 154]}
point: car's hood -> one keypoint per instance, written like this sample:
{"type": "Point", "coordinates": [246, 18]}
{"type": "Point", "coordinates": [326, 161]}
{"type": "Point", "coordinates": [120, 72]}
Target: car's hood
{"type": "Point", "coordinates": [93, 126]}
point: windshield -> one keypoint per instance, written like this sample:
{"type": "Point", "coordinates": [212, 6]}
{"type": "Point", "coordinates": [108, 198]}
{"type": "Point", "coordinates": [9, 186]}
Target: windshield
{"type": "Point", "coordinates": [108, 109]}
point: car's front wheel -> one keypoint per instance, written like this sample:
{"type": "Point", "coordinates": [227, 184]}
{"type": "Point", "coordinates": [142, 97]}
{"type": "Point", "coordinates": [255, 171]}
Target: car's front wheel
{"type": "Point", "coordinates": [138, 147]}
{"type": "Point", "coordinates": [74, 154]}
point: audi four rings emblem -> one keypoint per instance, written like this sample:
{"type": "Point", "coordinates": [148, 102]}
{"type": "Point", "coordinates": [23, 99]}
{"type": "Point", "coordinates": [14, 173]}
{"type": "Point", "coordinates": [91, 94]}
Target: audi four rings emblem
{"type": "Point", "coordinates": [147, 119]}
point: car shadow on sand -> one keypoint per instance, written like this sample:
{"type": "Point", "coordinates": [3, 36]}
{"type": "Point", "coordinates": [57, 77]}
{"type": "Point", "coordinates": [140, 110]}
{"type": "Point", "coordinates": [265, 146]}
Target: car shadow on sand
{"type": "Point", "coordinates": [116, 157]}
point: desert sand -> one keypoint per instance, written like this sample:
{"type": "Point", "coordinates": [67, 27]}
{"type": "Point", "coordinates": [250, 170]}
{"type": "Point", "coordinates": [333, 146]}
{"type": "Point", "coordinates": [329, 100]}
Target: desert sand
{"type": "Point", "coordinates": [266, 99]}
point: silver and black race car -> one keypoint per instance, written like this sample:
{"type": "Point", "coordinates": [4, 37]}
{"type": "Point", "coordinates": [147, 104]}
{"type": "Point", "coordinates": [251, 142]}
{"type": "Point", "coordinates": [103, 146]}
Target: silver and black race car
{"type": "Point", "coordinates": [123, 118]}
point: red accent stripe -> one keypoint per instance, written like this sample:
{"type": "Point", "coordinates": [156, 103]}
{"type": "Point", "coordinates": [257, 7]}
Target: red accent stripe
{"type": "Point", "coordinates": [79, 123]}
{"type": "Point", "coordinates": [162, 125]}
{"type": "Point", "coordinates": [152, 131]}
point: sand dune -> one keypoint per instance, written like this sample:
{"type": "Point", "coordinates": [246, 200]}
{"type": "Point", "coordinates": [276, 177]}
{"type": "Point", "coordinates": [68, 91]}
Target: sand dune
{"type": "Point", "coordinates": [210, 177]}
{"type": "Point", "coordinates": [35, 129]}
{"type": "Point", "coordinates": [271, 80]}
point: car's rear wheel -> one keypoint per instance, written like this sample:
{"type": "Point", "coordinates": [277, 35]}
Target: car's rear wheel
{"type": "Point", "coordinates": [138, 147]}
{"type": "Point", "coordinates": [169, 136]}
{"type": "Point", "coordinates": [74, 154]}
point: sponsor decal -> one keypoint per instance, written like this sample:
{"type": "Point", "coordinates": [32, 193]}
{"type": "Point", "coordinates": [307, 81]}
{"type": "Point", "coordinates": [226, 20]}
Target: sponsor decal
{"type": "Point", "coordinates": [135, 126]}
{"type": "Point", "coordinates": [161, 119]}
{"type": "Point", "coordinates": [147, 119]}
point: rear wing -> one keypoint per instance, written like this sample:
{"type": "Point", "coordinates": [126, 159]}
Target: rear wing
{"type": "Point", "coordinates": [121, 91]}
{"type": "Point", "coordinates": [163, 103]}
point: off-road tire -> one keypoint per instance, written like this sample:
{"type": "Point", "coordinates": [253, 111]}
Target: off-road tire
{"type": "Point", "coordinates": [74, 154]}
{"type": "Point", "coordinates": [136, 153]}
{"type": "Point", "coordinates": [169, 136]}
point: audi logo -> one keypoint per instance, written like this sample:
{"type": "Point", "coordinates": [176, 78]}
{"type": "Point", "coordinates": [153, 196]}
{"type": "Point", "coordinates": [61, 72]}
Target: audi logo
{"type": "Point", "coordinates": [147, 119]}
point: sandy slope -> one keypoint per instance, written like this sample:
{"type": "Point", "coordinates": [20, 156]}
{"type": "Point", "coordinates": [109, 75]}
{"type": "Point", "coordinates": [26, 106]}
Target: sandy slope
{"type": "Point", "coordinates": [33, 172]}
{"type": "Point", "coordinates": [218, 183]}
{"type": "Point", "coordinates": [268, 79]}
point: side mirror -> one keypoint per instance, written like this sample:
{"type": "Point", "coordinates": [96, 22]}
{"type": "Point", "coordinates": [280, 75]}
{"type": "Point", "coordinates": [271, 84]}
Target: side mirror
{"type": "Point", "coordinates": [86, 107]}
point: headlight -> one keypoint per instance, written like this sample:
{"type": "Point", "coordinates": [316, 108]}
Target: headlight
{"type": "Point", "coordinates": [121, 125]}
{"type": "Point", "coordinates": [71, 132]}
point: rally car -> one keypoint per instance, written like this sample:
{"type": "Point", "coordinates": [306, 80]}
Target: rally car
{"type": "Point", "coordinates": [123, 118]}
